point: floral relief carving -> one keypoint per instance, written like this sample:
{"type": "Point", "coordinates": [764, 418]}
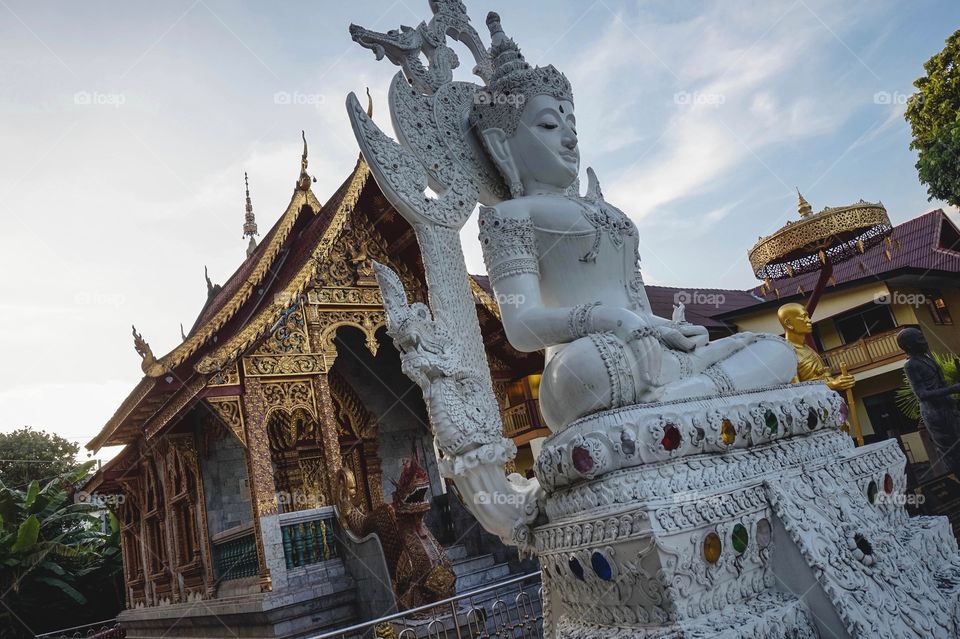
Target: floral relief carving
{"type": "Point", "coordinates": [230, 412]}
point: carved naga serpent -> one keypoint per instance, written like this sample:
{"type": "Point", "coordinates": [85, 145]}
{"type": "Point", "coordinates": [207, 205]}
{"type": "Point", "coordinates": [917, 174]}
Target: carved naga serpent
{"type": "Point", "coordinates": [443, 351]}
{"type": "Point", "coordinates": [419, 567]}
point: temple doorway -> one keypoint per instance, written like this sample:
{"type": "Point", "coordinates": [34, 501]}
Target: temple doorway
{"type": "Point", "coordinates": [381, 415]}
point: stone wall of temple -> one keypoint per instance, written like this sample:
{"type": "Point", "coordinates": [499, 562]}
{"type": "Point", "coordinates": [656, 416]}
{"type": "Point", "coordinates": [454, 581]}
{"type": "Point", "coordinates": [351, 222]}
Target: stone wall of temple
{"type": "Point", "coordinates": [224, 471]}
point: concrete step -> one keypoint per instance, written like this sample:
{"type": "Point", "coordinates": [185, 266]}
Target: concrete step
{"type": "Point", "coordinates": [482, 577]}
{"type": "Point", "coordinates": [456, 552]}
{"type": "Point", "coordinates": [471, 564]}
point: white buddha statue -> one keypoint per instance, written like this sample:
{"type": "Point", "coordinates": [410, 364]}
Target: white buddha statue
{"type": "Point", "coordinates": [569, 264]}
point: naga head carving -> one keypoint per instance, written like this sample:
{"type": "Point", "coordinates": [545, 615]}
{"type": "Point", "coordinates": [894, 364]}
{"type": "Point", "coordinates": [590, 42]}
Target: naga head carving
{"type": "Point", "coordinates": [412, 489]}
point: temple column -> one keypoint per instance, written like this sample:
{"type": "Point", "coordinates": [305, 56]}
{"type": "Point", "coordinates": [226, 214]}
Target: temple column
{"type": "Point", "coordinates": [329, 428]}
{"type": "Point", "coordinates": [266, 522]}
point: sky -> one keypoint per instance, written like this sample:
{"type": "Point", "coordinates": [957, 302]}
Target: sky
{"type": "Point", "coordinates": [126, 127]}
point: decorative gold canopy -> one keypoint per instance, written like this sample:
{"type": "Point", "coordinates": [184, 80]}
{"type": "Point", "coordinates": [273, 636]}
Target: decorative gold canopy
{"type": "Point", "coordinates": [834, 235]}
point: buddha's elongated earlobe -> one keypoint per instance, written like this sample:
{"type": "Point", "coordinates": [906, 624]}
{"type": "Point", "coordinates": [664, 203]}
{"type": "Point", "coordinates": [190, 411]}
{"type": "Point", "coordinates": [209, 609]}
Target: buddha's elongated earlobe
{"type": "Point", "coordinates": [495, 141]}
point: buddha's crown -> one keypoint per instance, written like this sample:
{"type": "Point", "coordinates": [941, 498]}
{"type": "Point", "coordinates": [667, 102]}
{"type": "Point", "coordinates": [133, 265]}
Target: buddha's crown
{"type": "Point", "coordinates": [513, 82]}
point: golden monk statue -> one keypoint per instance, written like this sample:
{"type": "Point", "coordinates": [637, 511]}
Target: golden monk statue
{"type": "Point", "coordinates": [797, 325]}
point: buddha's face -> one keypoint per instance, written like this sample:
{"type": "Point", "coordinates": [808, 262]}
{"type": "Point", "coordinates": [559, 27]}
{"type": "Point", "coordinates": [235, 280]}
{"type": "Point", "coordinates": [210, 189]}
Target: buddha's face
{"type": "Point", "coordinates": [543, 153]}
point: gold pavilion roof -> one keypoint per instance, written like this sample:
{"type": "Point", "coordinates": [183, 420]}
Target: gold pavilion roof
{"type": "Point", "coordinates": [835, 234]}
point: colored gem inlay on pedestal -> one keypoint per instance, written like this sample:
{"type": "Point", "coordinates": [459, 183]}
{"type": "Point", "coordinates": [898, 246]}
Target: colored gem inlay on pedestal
{"type": "Point", "coordinates": [601, 566]}
{"type": "Point", "coordinates": [872, 492]}
{"type": "Point", "coordinates": [712, 547]}
{"type": "Point", "coordinates": [727, 432]}
{"type": "Point", "coordinates": [887, 484]}
{"type": "Point", "coordinates": [671, 437]}
{"type": "Point", "coordinates": [812, 419]}
{"type": "Point", "coordinates": [764, 533]}
{"type": "Point", "coordinates": [582, 460]}
{"type": "Point", "coordinates": [740, 538]}
{"type": "Point", "coordinates": [576, 568]}
{"type": "Point", "coordinates": [773, 424]}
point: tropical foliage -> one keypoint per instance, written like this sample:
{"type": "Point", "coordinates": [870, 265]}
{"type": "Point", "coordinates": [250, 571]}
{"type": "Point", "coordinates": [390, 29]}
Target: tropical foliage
{"type": "Point", "coordinates": [59, 567]}
{"type": "Point", "coordinates": [908, 403]}
{"type": "Point", "coordinates": [934, 116]}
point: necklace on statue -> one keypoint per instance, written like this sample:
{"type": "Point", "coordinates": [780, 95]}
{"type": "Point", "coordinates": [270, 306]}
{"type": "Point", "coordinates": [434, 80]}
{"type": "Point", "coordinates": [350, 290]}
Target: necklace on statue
{"type": "Point", "coordinates": [599, 215]}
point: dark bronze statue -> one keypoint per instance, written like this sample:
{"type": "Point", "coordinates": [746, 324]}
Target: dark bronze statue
{"type": "Point", "coordinates": [938, 408]}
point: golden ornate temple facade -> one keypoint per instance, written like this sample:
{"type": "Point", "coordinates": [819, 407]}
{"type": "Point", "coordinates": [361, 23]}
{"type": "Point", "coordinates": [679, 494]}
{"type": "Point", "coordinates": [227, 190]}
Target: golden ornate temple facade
{"type": "Point", "coordinates": [233, 440]}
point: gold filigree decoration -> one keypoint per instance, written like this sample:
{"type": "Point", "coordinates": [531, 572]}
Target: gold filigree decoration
{"type": "Point", "coordinates": [345, 296]}
{"type": "Point", "coordinates": [836, 234]}
{"type": "Point", "coordinates": [352, 416]}
{"type": "Point", "coordinates": [283, 431]}
{"type": "Point", "coordinates": [289, 396]}
{"type": "Point", "coordinates": [275, 365]}
{"type": "Point", "coordinates": [260, 468]}
{"type": "Point", "coordinates": [349, 262]}
{"type": "Point", "coordinates": [229, 376]}
{"type": "Point", "coordinates": [312, 481]}
{"type": "Point", "coordinates": [267, 317]}
{"type": "Point", "coordinates": [291, 335]}
{"type": "Point", "coordinates": [230, 412]}
{"type": "Point", "coordinates": [368, 321]}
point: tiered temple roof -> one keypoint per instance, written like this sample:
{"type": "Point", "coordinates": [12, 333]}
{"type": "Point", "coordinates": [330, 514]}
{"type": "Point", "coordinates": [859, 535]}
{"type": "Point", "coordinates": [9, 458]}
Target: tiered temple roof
{"type": "Point", "coordinates": [279, 270]}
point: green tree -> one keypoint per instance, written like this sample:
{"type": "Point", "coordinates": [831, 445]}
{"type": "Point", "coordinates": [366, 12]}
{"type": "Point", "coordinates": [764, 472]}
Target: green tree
{"type": "Point", "coordinates": [934, 116]}
{"type": "Point", "coordinates": [27, 454]}
{"type": "Point", "coordinates": [58, 567]}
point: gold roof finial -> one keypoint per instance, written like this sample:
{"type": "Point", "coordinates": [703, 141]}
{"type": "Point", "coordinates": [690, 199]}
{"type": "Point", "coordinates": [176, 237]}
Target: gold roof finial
{"type": "Point", "coordinates": [249, 220]}
{"type": "Point", "coordinates": [140, 345]}
{"type": "Point", "coordinates": [369, 104]}
{"type": "Point", "coordinates": [150, 365]}
{"type": "Point", "coordinates": [305, 180]}
{"type": "Point", "coordinates": [803, 207]}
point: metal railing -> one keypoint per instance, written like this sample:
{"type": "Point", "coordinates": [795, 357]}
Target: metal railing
{"type": "Point", "coordinates": [869, 351]}
{"type": "Point", "coordinates": [108, 629]}
{"type": "Point", "coordinates": [511, 608]}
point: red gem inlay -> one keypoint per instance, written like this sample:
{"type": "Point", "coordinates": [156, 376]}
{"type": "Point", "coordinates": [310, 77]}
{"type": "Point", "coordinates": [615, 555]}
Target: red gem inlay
{"type": "Point", "coordinates": [582, 460]}
{"type": "Point", "coordinates": [671, 437]}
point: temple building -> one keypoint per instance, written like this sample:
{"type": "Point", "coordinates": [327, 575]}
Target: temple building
{"type": "Point", "coordinates": [233, 440]}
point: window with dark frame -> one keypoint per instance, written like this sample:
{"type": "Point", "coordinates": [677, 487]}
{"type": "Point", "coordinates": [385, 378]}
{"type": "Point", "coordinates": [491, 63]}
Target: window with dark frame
{"type": "Point", "coordinates": [865, 321]}
{"type": "Point", "coordinates": [938, 307]}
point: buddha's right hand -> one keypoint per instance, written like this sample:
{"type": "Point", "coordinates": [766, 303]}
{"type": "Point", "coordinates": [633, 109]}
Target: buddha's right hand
{"type": "Point", "coordinates": [622, 322]}
{"type": "Point", "coordinates": [634, 331]}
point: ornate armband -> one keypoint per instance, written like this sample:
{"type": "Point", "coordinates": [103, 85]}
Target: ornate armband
{"type": "Point", "coordinates": [580, 320]}
{"type": "Point", "coordinates": [509, 245]}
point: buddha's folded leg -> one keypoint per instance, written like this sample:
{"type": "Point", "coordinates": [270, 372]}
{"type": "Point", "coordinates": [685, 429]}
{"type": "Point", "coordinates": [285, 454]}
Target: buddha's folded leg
{"type": "Point", "coordinates": [593, 373]}
{"type": "Point", "coordinates": [717, 351]}
{"type": "Point", "coordinates": [766, 361]}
